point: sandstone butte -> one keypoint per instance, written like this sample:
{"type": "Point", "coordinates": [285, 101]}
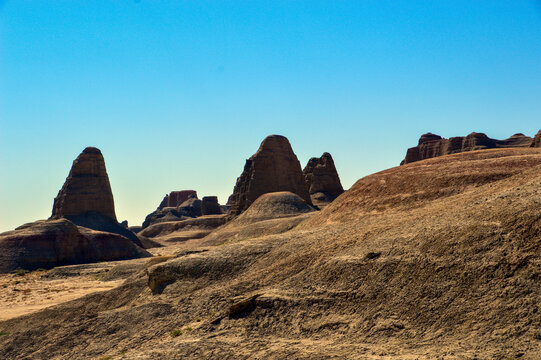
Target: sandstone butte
{"type": "Point", "coordinates": [322, 179]}
{"type": "Point", "coordinates": [432, 145]}
{"type": "Point", "coordinates": [82, 228]}
{"type": "Point", "coordinates": [274, 167]}
{"type": "Point", "coordinates": [87, 188]}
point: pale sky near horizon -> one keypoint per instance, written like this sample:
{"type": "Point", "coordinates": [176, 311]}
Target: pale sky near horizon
{"type": "Point", "coordinates": [177, 94]}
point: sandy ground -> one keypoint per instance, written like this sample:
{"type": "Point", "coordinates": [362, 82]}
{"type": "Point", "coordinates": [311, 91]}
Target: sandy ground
{"type": "Point", "coordinates": [21, 295]}
{"type": "Point", "coordinates": [28, 293]}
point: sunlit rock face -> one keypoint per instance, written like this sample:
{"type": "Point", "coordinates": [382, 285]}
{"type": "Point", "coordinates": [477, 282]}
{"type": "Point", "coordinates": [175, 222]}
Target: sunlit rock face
{"type": "Point", "coordinates": [87, 188]}
{"type": "Point", "coordinates": [274, 167]}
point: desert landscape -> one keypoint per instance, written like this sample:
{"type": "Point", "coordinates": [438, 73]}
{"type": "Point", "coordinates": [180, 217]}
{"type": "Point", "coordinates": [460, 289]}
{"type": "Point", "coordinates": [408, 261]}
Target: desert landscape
{"type": "Point", "coordinates": [438, 258]}
{"type": "Point", "coordinates": [270, 180]}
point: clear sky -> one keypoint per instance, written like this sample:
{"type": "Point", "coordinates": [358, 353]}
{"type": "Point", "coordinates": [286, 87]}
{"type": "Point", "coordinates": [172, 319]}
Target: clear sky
{"type": "Point", "coordinates": [177, 94]}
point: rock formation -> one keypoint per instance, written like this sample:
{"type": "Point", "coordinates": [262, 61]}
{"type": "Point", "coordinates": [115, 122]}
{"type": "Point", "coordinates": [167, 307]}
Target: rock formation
{"type": "Point", "coordinates": [50, 243]}
{"type": "Point", "coordinates": [431, 145]}
{"type": "Point", "coordinates": [86, 188]}
{"type": "Point", "coordinates": [274, 167]}
{"type": "Point", "coordinates": [210, 206]}
{"type": "Point", "coordinates": [536, 140]}
{"type": "Point", "coordinates": [164, 202]}
{"type": "Point", "coordinates": [322, 179]}
{"type": "Point", "coordinates": [86, 198]}
{"type": "Point", "coordinates": [188, 209]}
{"type": "Point", "coordinates": [176, 198]}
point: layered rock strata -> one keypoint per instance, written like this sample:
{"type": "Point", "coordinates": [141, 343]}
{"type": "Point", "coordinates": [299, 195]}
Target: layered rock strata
{"type": "Point", "coordinates": [322, 179]}
{"type": "Point", "coordinates": [432, 145]}
{"type": "Point", "coordinates": [210, 206]}
{"type": "Point", "coordinates": [49, 243]}
{"type": "Point", "coordinates": [87, 188]}
{"type": "Point", "coordinates": [86, 198]}
{"type": "Point", "coordinates": [274, 167]}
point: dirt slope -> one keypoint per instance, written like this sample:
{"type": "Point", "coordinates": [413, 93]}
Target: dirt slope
{"type": "Point", "coordinates": [436, 259]}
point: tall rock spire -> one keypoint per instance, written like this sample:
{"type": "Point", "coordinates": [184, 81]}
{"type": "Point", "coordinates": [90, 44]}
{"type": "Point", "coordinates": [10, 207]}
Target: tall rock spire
{"type": "Point", "coordinates": [274, 167]}
{"type": "Point", "coordinates": [87, 188]}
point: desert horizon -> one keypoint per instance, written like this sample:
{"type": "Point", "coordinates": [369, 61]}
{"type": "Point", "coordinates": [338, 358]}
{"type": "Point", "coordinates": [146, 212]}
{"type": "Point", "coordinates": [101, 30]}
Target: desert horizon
{"type": "Point", "coordinates": [270, 180]}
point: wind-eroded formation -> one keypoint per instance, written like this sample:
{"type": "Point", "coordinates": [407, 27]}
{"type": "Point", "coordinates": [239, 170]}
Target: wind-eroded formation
{"type": "Point", "coordinates": [82, 228]}
{"type": "Point", "coordinates": [432, 145]}
{"type": "Point", "coordinates": [436, 259]}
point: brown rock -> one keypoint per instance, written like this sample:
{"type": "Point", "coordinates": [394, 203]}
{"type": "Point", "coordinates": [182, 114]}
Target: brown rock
{"type": "Point", "coordinates": [176, 198]}
{"type": "Point", "coordinates": [210, 206]}
{"type": "Point", "coordinates": [86, 188]}
{"type": "Point", "coordinates": [536, 140]}
{"type": "Point", "coordinates": [274, 167]}
{"type": "Point", "coordinates": [86, 198]}
{"type": "Point", "coordinates": [50, 243]}
{"type": "Point", "coordinates": [431, 145]}
{"type": "Point", "coordinates": [164, 202]}
{"type": "Point", "coordinates": [322, 179]}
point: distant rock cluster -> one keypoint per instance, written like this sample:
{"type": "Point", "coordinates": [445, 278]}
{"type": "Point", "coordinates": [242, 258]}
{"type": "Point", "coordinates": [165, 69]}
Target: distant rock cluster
{"type": "Point", "coordinates": [183, 205]}
{"type": "Point", "coordinates": [83, 226]}
{"type": "Point", "coordinates": [432, 145]}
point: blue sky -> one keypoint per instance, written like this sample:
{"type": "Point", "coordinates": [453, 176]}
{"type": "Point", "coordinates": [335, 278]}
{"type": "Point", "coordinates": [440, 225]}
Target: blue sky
{"type": "Point", "coordinates": [177, 94]}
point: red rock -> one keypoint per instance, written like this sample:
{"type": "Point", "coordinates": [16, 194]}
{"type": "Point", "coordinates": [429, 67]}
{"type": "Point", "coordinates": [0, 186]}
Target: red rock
{"type": "Point", "coordinates": [322, 179]}
{"type": "Point", "coordinates": [176, 198]}
{"type": "Point", "coordinates": [274, 167]}
{"type": "Point", "coordinates": [50, 243]}
{"type": "Point", "coordinates": [210, 206]}
{"type": "Point", "coordinates": [431, 145]}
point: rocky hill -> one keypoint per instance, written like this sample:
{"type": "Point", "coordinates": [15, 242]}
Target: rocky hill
{"type": "Point", "coordinates": [431, 145]}
{"type": "Point", "coordinates": [430, 260]}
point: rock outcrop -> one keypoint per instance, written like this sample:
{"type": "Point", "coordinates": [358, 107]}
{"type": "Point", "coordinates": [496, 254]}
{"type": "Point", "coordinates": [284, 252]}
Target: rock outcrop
{"type": "Point", "coordinates": [210, 206]}
{"type": "Point", "coordinates": [432, 145]}
{"type": "Point", "coordinates": [176, 198]}
{"type": "Point", "coordinates": [188, 209]}
{"type": "Point", "coordinates": [86, 188]}
{"type": "Point", "coordinates": [86, 198]}
{"type": "Point", "coordinates": [536, 140]}
{"type": "Point", "coordinates": [49, 243]}
{"type": "Point", "coordinates": [322, 180]}
{"type": "Point", "coordinates": [274, 167]}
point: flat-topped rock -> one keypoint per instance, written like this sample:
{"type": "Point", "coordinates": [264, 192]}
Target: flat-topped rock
{"type": "Point", "coordinates": [49, 243]}
{"type": "Point", "coordinates": [210, 206]}
{"type": "Point", "coordinates": [176, 198]}
{"type": "Point", "coordinates": [86, 188]}
{"type": "Point", "coordinates": [432, 145]}
{"type": "Point", "coordinates": [274, 167]}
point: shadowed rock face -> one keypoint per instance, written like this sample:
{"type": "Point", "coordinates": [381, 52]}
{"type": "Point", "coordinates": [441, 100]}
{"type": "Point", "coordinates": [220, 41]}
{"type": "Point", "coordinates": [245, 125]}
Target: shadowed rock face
{"type": "Point", "coordinates": [432, 145]}
{"type": "Point", "coordinates": [537, 140]}
{"type": "Point", "coordinates": [86, 189]}
{"type": "Point", "coordinates": [274, 167]}
{"type": "Point", "coordinates": [50, 243]}
{"type": "Point", "coordinates": [176, 198]}
{"type": "Point", "coordinates": [210, 206]}
{"type": "Point", "coordinates": [322, 178]}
